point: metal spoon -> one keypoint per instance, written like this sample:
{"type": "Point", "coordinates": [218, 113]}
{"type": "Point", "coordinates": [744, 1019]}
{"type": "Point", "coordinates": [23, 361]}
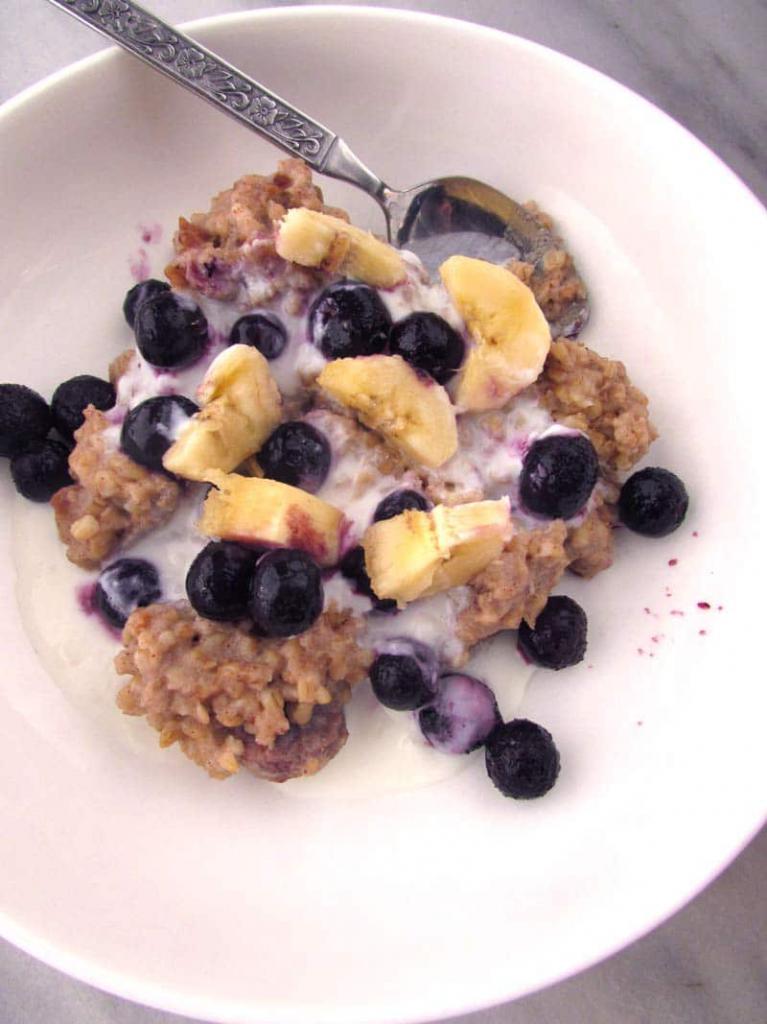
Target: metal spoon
{"type": "Point", "coordinates": [435, 219]}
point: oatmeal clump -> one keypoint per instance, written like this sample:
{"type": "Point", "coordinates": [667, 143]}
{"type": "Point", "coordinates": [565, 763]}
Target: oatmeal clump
{"type": "Point", "coordinates": [120, 365]}
{"type": "Point", "coordinates": [589, 545]}
{"type": "Point", "coordinates": [516, 585]}
{"type": "Point", "coordinates": [588, 392]}
{"type": "Point", "coordinates": [302, 750]}
{"type": "Point", "coordinates": [554, 281]}
{"type": "Point", "coordinates": [114, 500]}
{"type": "Point", "coordinates": [231, 699]}
{"type": "Point", "coordinates": [229, 252]}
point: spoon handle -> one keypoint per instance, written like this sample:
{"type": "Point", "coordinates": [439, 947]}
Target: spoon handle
{"type": "Point", "coordinates": [202, 72]}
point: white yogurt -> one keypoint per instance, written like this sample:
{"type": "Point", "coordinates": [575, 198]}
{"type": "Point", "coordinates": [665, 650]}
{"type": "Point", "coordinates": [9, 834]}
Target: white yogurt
{"type": "Point", "coordinates": [419, 294]}
{"type": "Point", "coordinates": [492, 446]}
{"type": "Point", "coordinates": [385, 750]}
{"type": "Point", "coordinates": [430, 620]}
{"type": "Point", "coordinates": [172, 548]}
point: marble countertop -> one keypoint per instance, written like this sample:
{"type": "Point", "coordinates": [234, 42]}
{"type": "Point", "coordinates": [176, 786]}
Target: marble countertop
{"type": "Point", "coordinates": [704, 63]}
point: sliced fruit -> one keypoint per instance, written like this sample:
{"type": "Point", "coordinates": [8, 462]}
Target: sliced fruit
{"type": "Point", "coordinates": [510, 333]}
{"type": "Point", "coordinates": [409, 409]}
{"type": "Point", "coordinates": [241, 406]}
{"type": "Point", "coordinates": [318, 240]}
{"type": "Point", "coordinates": [416, 554]}
{"type": "Point", "coordinates": [251, 510]}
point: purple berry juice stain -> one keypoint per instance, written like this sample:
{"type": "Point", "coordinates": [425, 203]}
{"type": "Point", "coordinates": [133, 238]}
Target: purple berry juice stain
{"type": "Point", "coordinates": [84, 594]}
{"type": "Point", "coordinates": [151, 234]}
{"type": "Point", "coordinates": [139, 266]}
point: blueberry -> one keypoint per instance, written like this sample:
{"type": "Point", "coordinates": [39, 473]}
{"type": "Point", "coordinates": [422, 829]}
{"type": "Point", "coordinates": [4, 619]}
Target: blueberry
{"type": "Point", "coordinates": [24, 418]}
{"type": "Point", "coordinates": [139, 293]}
{"type": "Point", "coordinates": [71, 398]}
{"type": "Point", "coordinates": [266, 333]}
{"type": "Point", "coordinates": [286, 594]}
{"type": "Point", "coordinates": [352, 567]}
{"type": "Point", "coordinates": [522, 759]}
{"type": "Point", "coordinates": [41, 470]}
{"type": "Point", "coordinates": [653, 502]}
{"type": "Point", "coordinates": [218, 581]}
{"type": "Point", "coordinates": [400, 501]}
{"type": "Point", "coordinates": [349, 319]}
{"type": "Point", "coordinates": [150, 427]}
{"type": "Point", "coordinates": [429, 343]}
{"type": "Point", "coordinates": [404, 674]}
{"type": "Point", "coordinates": [125, 585]}
{"type": "Point", "coordinates": [296, 453]}
{"type": "Point", "coordinates": [558, 638]}
{"type": "Point", "coordinates": [170, 331]}
{"type": "Point", "coordinates": [461, 717]}
{"type": "Point", "coordinates": [558, 475]}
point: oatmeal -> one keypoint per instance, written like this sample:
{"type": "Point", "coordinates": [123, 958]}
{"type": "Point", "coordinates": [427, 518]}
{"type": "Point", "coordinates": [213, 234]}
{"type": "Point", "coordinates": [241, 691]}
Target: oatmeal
{"type": "Point", "coordinates": [583, 390]}
{"type": "Point", "coordinates": [214, 688]}
{"type": "Point", "coordinates": [114, 501]}
{"type": "Point", "coordinates": [332, 466]}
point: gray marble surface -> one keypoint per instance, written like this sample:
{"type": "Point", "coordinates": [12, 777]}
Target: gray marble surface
{"type": "Point", "coordinates": [702, 61]}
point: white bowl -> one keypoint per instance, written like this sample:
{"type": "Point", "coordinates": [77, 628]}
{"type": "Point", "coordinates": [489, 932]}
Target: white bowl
{"type": "Point", "coordinates": [232, 902]}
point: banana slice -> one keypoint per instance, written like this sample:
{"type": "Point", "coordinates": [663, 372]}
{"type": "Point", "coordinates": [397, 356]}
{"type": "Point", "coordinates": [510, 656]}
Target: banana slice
{"type": "Point", "coordinates": [253, 511]}
{"type": "Point", "coordinates": [409, 409]}
{"type": "Point", "coordinates": [241, 406]}
{"type": "Point", "coordinates": [318, 240]}
{"type": "Point", "coordinates": [510, 333]}
{"type": "Point", "coordinates": [416, 554]}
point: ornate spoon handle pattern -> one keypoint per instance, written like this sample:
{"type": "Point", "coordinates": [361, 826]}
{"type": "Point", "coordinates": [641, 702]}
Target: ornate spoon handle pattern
{"type": "Point", "coordinates": [197, 69]}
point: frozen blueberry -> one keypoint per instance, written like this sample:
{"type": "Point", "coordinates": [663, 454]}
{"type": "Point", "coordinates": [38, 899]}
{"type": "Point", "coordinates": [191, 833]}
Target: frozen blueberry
{"type": "Point", "coordinates": [125, 585]}
{"type": "Point", "coordinates": [150, 428]}
{"type": "Point", "coordinates": [400, 501]}
{"type": "Point", "coordinates": [41, 470]}
{"type": "Point", "coordinates": [139, 293]}
{"type": "Point", "coordinates": [71, 398]}
{"type": "Point", "coordinates": [349, 319]}
{"type": "Point", "coordinates": [352, 567]}
{"type": "Point", "coordinates": [558, 638]}
{"type": "Point", "coordinates": [429, 343]}
{"type": "Point", "coordinates": [558, 475]}
{"type": "Point", "coordinates": [653, 502]}
{"type": "Point", "coordinates": [286, 594]}
{"type": "Point", "coordinates": [296, 453]}
{"type": "Point", "coordinates": [264, 332]}
{"type": "Point", "coordinates": [171, 332]}
{"type": "Point", "coordinates": [522, 759]}
{"type": "Point", "coordinates": [218, 581]}
{"type": "Point", "coordinates": [461, 717]}
{"type": "Point", "coordinates": [404, 674]}
{"type": "Point", "coordinates": [24, 418]}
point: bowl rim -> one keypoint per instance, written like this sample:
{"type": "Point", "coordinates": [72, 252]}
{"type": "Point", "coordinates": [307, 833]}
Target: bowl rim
{"type": "Point", "coordinates": [156, 995]}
